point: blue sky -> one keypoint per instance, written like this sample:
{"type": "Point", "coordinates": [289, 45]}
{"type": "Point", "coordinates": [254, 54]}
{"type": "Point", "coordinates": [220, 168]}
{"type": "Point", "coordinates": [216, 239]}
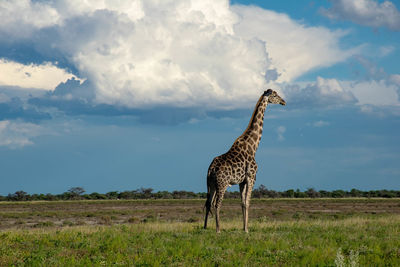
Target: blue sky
{"type": "Point", "coordinates": [117, 96]}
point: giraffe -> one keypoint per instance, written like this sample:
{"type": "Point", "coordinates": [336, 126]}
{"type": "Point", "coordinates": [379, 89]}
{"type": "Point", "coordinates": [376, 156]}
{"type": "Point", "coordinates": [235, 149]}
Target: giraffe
{"type": "Point", "coordinates": [238, 165]}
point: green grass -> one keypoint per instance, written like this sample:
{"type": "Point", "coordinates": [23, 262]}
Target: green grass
{"type": "Point", "coordinates": [375, 241]}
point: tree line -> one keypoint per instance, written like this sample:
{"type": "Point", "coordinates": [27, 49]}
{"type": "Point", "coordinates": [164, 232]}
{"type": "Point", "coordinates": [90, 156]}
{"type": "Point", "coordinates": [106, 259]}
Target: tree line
{"type": "Point", "coordinates": [78, 193]}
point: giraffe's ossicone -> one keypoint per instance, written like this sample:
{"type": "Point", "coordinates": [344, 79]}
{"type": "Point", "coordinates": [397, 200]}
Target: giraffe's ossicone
{"type": "Point", "coordinates": [238, 165]}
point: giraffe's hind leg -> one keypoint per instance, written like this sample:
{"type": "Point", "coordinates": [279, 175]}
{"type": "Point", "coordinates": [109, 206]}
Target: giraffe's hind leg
{"type": "Point", "coordinates": [218, 203]}
{"type": "Point", "coordinates": [209, 202]}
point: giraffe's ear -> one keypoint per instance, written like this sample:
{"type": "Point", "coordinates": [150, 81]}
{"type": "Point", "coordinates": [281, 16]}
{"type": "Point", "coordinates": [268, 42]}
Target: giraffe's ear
{"type": "Point", "coordinates": [268, 92]}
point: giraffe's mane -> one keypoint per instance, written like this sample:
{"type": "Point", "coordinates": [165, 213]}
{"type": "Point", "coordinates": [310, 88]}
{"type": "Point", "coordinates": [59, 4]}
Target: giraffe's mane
{"type": "Point", "coordinates": [252, 117]}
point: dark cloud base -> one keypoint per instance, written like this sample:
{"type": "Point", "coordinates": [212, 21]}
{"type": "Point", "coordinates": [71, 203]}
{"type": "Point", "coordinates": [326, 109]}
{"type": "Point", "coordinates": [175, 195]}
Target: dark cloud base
{"type": "Point", "coordinates": [162, 115]}
{"type": "Point", "coordinates": [28, 52]}
{"type": "Point", "coordinates": [15, 109]}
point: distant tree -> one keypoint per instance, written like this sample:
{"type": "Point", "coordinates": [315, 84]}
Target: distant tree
{"type": "Point", "coordinates": [355, 193]}
{"type": "Point", "coordinates": [76, 192]}
{"type": "Point", "coordinates": [163, 195]}
{"type": "Point", "coordinates": [387, 193]}
{"type": "Point", "coordinates": [19, 196]}
{"type": "Point", "coordinates": [324, 193]}
{"type": "Point", "coordinates": [126, 195]}
{"type": "Point", "coordinates": [338, 193]}
{"type": "Point", "coordinates": [49, 196]}
{"type": "Point", "coordinates": [145, 192]}
{"type": "Point", "coordinates": [299, 194]}
{"type": "Point", "coordinates": [96, 195]}
{"type": "Point", "coordinates": [273, 194]}
{"type": "Point", "coordinates": [261, 192]}
{"type": "Point", "coordinates": [65, 196]}
{"type": "Point", "coordinates": [288, 193]}
{"type": "Point", "coordinates": [312, 193]}
{"type": "Point", "coordinates": [112, 195]}
{"type": "Point", "coordinates": [230, 194]}
{"type": "Point", "coordinates": [202, 195]}
{"type": "Point", "coordinates": [182, 194]}
{"type": "Point", "coordinates": [373, 193]}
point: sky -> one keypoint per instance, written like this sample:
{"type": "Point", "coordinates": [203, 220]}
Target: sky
{"type": "Point", "coordinates": [119, 95]}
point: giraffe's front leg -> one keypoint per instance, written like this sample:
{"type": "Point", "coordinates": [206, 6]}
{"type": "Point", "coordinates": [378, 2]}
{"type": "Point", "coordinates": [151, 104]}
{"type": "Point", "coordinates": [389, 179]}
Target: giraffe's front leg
{"type": "Point", "coordinates": [247, 193]}
{"type": "Point", "coordinates": [243, 188]}
{"type": "Point", "coordinates": [218, 204]}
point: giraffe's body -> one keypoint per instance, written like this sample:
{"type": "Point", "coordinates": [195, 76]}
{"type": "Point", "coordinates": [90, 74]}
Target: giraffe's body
{"type": "Point", "coordinates": [238, 165]}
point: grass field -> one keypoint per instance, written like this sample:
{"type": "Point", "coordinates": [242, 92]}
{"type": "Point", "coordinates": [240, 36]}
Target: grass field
{"type": "Point", "coordinates": [325, 232]}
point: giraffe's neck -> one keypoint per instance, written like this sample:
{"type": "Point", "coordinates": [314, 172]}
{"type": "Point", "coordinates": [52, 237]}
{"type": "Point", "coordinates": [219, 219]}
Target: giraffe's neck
{"type": "Point", "coordinates": [250, 139]}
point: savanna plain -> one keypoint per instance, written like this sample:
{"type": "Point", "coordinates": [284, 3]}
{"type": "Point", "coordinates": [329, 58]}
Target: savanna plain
{"type": "Point", "coordinates": [282, 232]}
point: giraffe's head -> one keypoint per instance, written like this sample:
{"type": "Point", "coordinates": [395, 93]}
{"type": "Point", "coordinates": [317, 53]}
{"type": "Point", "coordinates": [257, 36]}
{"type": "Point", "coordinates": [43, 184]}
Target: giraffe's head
{"type": "Point", "coordinates": [273, 97]}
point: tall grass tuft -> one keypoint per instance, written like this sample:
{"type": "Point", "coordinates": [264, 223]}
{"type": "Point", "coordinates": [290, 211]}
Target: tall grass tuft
{"type": "Point", "coordinates": [352, 261]}
{"type": "Point", "coordinates": [339, 260]}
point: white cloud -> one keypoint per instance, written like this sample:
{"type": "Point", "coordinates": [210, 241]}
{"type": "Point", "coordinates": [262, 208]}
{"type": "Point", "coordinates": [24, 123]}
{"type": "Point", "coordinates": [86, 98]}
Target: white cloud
{"type": "Point", "coordinates": [395, 79]}
{"type": "Point", "coordinates": [293, 47]}
{"type": "Point", "coordinates": [386, 50]}
{"type": "Point", "coordinates": [333, 92]}
{"type": "Point", "coordinates": [374, 92]}
{"type": "Point", "coordinates": [180, 53]}
{"type": "Point", "coordinates": [280, 131]}
{"type": "Point", "coordinates": [320, 123]}
{"type": "Point", "coordinates": [45, 76]}
{"type": "Point", "coordinates": [14, 134]}
{"type": "Point", "coordinates": [323, 93]}
{"type": "Point", "coordinates": [19, 18]}
{"type": "Point", "coordinates": [365, 12]}
{"type": "Point", "coordinates": [379, 87]}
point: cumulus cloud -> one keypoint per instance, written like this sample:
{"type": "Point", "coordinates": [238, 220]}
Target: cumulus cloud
{"type": "Point", "coordinates": [328, 93]}
{"type": "Point", "coordinates": [21, 17]}
{"type": "Point", "coordinates": [395, 79]}
{"type": "Point", "coordinates": [178, 53]}
{"type": "Point", "coordinates": [322, 93]}
{"type": "Point", "coordinates": [378, 87]}
{"type": "Point", "coordinates": [45, 76]}
{"type": "Point", "coordinates": [365, 12]}
{"type": "Point", "coordinates": [373, 92]}
{"type": "Point", "coordinates": [14, 134]}
{"type": "Point", "coordinates": [294, 48]}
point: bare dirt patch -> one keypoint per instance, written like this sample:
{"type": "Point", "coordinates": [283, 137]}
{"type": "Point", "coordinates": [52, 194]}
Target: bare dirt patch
{"type": "Point", "coordinates": [109, 212]}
